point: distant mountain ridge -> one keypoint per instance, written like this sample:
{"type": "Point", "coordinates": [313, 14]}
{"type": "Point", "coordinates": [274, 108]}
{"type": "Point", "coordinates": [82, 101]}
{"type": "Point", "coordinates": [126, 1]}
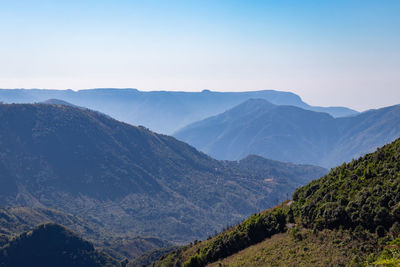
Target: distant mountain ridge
{"type": "Point", "coordinates": [292, 134]}
{"type": "Point", "coordinates": [161, 111]}
{"type": "Point", "coordinates": [127, 178]}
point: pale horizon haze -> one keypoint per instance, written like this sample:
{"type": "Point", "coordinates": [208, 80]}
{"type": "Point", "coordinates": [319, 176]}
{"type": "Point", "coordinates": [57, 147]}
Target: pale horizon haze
{"type": "Point", "coordinates": [330, 53]}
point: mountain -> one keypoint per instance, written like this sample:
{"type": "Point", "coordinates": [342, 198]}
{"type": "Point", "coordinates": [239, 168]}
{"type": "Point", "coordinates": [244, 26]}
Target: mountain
{"type": "Point", "coordinates": [256, 126]}
{"type": "Point", "coordinates": [52, 245]}
{"type": "Point", "coordinates": [292, 134]}
{"type": "Point", "coordinates": [161, 111]}
{"type": "Point", "coordinates": [349, 217]}
{"type": "Point", "coordinates": [127, 179]}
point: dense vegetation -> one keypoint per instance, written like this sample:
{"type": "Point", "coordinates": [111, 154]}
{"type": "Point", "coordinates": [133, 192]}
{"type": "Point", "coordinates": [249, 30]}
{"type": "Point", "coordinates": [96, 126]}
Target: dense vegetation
{"type": "Point", "coordinates": [363, 193]}
{"type": "Point", "coordinates": [52, 245]}
{"type": "Point", "coordinates": [349, 217]}
{"type": "Point", "coordinates": [126, 179]}
{"type": "Point", "coordinates": [292, 134]}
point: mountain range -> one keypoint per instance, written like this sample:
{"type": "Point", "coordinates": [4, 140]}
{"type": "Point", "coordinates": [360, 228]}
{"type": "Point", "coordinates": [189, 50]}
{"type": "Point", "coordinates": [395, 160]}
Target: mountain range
{"type": "Point", "coordinates": [127, 179]}
{"type": "Point", "coordinates": [118, 186]}
{"type": "Point", "coordinates": [292, 134]}
{"type": "Point", "coordinates": [161, 111]}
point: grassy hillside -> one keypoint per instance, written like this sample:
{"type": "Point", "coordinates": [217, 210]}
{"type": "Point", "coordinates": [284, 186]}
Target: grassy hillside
{"type": "Point", "coordinates": [350, 216]}
{"type": "Point", "coordinates": [304, 248]}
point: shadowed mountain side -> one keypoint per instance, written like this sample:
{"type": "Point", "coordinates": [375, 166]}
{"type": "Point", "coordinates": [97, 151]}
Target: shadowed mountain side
{"type": "Point", "coordinates": [52, 245]}
{"type": "Point", "coordinates": [291, 134]}
{"type": "Point", "coordinates": [161, 111]}
{"type": "Point", "coordinates": [127, 178]}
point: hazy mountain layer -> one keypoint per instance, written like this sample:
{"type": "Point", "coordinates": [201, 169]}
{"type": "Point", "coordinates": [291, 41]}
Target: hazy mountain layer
{"type": "Point", "coordinates": [292, 134]}
{"type": "Point", "coordinates": [129, 179]}
{"type": "Point", "coordinates": [161, 111]}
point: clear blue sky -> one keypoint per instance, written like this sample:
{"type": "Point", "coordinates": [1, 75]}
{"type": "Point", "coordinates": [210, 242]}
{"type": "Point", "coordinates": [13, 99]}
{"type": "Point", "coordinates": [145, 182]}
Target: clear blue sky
{"type": "Point", "coordinates": [329, 52]}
